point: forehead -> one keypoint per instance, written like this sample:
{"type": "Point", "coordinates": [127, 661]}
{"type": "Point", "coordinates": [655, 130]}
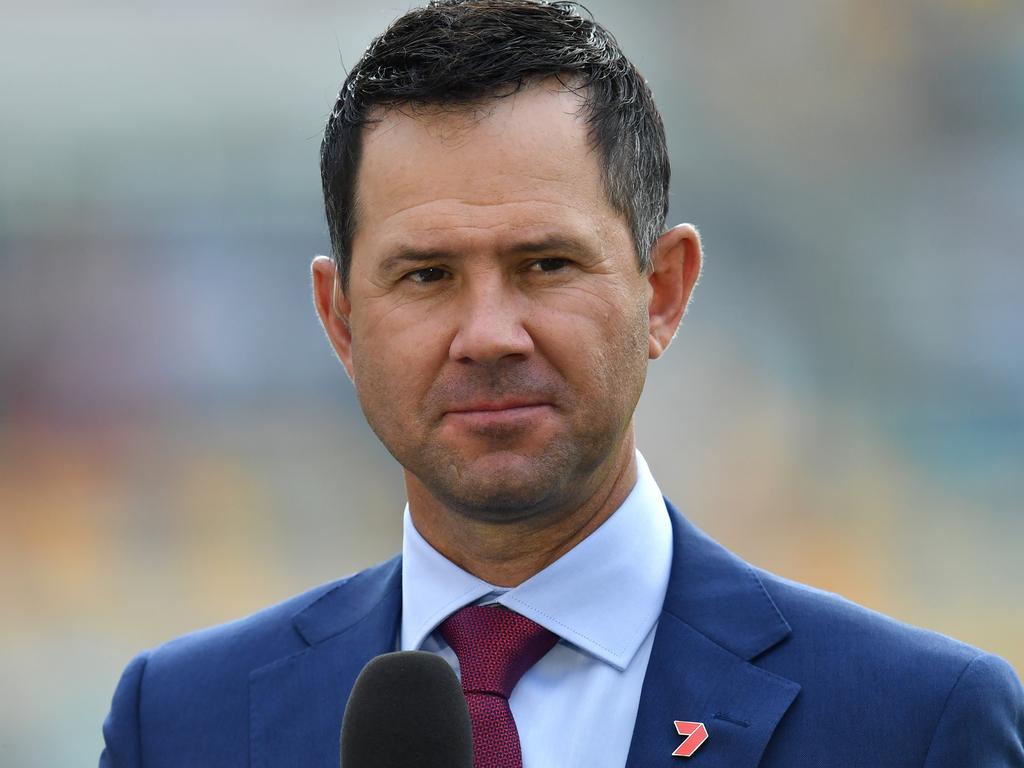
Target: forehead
{"type": "Point", "coordinates": [513, 163]}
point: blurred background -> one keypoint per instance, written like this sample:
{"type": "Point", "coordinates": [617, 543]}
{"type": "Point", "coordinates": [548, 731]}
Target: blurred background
{"type": "Point", "coordinates": [844, 404]}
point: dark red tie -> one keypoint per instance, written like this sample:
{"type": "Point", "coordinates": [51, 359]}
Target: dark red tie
{"type": "Point", "coordinates": [495, 647]}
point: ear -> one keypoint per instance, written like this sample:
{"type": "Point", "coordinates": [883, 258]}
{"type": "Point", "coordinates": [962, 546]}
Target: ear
{"type": "Point", "coordinates": [333, 308]}
{"type": "Point", "coordinates": [675, 266]}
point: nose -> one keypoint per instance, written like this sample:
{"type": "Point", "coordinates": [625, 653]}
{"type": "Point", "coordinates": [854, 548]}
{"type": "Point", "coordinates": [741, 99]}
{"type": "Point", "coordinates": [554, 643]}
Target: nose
{"type": "Point", "coordinates": [490, 316]}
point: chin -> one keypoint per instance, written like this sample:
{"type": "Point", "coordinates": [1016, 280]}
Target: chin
{"type": "Point", "coordinates": [504, 487]}
{"type": "Point", "coordinates": [498, 505]}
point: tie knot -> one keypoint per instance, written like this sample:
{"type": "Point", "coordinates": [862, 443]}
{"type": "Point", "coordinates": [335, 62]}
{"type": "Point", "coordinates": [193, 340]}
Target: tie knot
{"type": "Point", "coordinates": [495, 647]}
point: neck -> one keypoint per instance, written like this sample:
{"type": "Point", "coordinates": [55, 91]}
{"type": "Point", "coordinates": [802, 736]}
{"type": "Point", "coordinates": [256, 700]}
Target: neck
{"type": "Point", "coordinates": [508, 553]}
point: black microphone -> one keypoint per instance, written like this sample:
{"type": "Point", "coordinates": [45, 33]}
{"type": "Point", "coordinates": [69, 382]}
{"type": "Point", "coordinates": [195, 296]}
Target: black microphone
{"type": "Point", "coordinates": [406, 710]}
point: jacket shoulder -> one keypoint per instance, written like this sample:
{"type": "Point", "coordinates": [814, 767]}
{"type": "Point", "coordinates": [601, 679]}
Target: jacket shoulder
{"type": "Point", "coordinates": [269, 632]}
{"type": "Point", "coordinates": [192, 692]}
{"type": "Point", "coordinates": [836, 626]}
{"type": "Point", "coordinates": [931, 699]}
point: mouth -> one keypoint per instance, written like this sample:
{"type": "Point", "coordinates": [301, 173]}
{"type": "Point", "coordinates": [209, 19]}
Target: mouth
{"type": "Point", "coordinates": [497, 406]}
{"type": "Point", "coordinates": [499, 417]}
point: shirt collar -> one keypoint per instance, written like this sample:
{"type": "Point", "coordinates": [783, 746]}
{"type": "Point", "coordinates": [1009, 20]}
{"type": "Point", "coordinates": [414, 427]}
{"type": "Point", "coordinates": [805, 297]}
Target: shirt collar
{"type": "Point", "coordinates": [603, 596]}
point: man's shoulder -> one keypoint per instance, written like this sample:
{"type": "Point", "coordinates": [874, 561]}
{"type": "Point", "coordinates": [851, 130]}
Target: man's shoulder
{"type": "Point", "coordinates": [856, 648]}
{"type": "Point", "coordinates": [938, 699]}
{"type": "Point", "coordinates": [821, 618]}
{"type": "Point", "coordinates": [801, 629]}
{"type": "Point", "coordinates": [195, 693]}
{"type": "Point", "coordinates": [271, 633]}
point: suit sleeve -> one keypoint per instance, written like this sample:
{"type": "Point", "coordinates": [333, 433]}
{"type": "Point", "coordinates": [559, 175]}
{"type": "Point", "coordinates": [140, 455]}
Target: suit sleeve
{"type": "Point", "coordinates": [982, 723]}
{"type": "Point", "coordinates": [122, 736]}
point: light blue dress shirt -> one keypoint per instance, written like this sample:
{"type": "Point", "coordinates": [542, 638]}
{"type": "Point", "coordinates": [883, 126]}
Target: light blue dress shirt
{"type": "Point", "coordinates": [577, 705]}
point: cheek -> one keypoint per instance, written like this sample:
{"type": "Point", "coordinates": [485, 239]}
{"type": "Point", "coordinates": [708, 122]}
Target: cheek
{"type": "Point", "coordinates": [626, 355]}
{"type": "Point", "coordinates": [395, 361]}
{"type": "Point", "coordinates": [603, 354]}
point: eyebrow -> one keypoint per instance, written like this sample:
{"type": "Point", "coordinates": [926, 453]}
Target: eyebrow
{"type": "Point", "coordinates": [549, 243]}
{"type": "Point", "coordinates": [407, 254]}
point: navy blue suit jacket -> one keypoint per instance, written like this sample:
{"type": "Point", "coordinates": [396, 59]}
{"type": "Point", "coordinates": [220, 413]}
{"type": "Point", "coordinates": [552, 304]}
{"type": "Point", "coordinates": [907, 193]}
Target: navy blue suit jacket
{"type": "Point", "coordinates": [782, 675]}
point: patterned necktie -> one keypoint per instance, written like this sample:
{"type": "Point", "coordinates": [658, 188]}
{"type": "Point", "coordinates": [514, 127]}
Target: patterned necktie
{"type": "Point", "coordinates": [495, 647]}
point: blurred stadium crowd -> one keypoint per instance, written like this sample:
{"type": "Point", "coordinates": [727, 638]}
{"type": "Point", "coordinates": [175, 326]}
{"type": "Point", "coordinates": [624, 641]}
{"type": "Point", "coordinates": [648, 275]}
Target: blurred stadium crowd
{"type": "Point", "coordinates": [844, 405]}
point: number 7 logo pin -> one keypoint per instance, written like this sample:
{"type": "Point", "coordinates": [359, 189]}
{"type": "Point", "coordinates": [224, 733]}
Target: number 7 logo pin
{"type": "Point", "coordinates": [695, 733]}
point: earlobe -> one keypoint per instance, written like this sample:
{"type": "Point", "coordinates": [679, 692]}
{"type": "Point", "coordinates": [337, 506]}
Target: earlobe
{"type": "Point", "coordinates": [333, 308]}
{"type": "Point", "coordinates": [676, 260]}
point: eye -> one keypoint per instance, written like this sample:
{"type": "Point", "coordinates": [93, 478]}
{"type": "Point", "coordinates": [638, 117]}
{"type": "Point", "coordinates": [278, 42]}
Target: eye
{"type": "Point", "coordinates": [549, 265]}
{"type": "Point", "coordinates": [426, 275]}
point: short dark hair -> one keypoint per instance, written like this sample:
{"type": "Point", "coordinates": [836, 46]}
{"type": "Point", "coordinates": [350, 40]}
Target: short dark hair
{"type": "Point", "coordinates": [460, 52]}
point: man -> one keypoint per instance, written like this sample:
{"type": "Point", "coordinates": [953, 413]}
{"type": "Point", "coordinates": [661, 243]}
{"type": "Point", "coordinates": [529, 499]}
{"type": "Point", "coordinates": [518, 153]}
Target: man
{"type": "Point", "coordinates": [496, 179]}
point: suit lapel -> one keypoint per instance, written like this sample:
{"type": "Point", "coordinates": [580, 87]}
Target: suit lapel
{"type": "Point", "coordinates": [716, 619]}
{"type": "Point", "coordinates": [296, 703]}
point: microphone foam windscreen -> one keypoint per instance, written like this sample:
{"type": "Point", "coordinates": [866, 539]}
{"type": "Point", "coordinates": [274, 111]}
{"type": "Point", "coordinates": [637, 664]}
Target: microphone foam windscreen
{"type": "Point", "coordinates": [406, 709]}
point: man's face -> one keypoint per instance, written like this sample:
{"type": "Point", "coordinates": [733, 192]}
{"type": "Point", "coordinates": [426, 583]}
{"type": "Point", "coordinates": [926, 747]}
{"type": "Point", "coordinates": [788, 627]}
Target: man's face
{"type": "Point", "coordinates": [498, 320]}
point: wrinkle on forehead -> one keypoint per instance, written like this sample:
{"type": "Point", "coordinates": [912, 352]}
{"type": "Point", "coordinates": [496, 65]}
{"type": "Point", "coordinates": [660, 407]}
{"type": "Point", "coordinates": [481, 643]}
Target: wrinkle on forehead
{"type": "Point", "coordinates": [523, 163]}
{"type": "Point", "coordinates": [555, 112]}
